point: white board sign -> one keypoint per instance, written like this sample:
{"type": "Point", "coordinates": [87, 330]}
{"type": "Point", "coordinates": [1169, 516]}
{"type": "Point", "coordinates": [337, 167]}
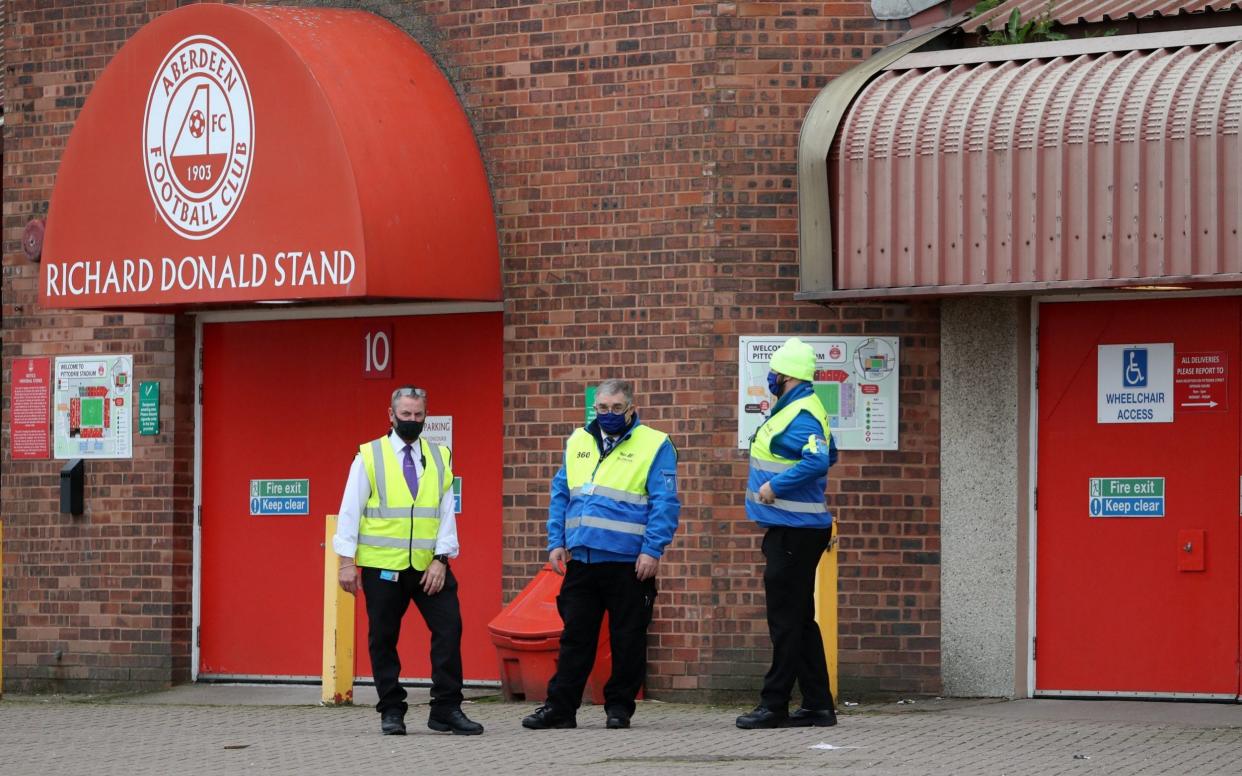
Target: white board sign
{"type": "Point", "coordinates": [93, 404]}
{"type": "Point", "coordinates": [857, 379]}
{"type": "Point", "coordinates": [1134, 383]}
{"type": "Point", "coordinates": [438, 429]}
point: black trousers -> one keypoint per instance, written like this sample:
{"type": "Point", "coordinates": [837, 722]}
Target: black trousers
{"type": "Point", "coordinates": [589, 590]}
{"type": "Point", "coordinates": [386, 605]}
{"type": "Point", "coordinates": [797, 647]}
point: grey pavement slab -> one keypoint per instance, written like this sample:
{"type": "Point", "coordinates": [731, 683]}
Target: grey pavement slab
{"type": "Point", "coordinates": [1141, 712]}
{"type": "Point", "coordinates": [150, 735]}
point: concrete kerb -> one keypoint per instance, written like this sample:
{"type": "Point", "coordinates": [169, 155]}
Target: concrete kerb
{"type": "Point", "coordinates": [228, 694]}
{"type": "Point", "coordinates": [1184, 714]}
{"type": "Point", "coordinates": [240, 694]}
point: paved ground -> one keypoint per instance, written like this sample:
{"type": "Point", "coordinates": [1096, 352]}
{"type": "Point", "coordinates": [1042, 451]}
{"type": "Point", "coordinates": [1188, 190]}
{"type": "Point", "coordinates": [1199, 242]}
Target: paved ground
{"type": "Point", "coordinates": [245, 730]}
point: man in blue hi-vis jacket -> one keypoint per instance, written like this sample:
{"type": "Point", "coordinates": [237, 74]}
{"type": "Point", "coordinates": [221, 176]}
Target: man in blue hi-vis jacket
{"type": "Point", "coordinates": [789, 460]}
{"type": "Point", "coordinates": [613, 511]}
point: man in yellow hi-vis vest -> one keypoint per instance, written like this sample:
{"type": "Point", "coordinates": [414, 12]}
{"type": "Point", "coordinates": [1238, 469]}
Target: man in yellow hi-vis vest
{"type": "Point", "coordinates": [395, 533]}
{"type": "Point", "coordinates": [613, 510]}
{"type": "Point", "coordinates": [789, 460]}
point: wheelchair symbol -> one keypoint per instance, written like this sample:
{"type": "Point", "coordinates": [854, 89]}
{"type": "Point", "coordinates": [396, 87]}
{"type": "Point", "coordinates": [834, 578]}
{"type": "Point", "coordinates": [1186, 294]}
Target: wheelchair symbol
{"type": "Point", "coordinates": [1135, 373]}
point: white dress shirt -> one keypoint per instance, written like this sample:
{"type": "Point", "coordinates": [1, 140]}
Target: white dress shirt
{"type": "Point", "coordinates": [358, 491]}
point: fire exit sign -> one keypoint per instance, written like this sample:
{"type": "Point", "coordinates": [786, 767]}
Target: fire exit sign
{"type": "Point", "coordinates": [1126, 497]}
{"type": "Point", "coordinates": [280, 497]}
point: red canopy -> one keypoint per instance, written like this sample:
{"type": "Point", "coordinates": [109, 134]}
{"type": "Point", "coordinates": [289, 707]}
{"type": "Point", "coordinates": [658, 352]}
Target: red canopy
{"type": "Point", "coordinates": [232, 154]}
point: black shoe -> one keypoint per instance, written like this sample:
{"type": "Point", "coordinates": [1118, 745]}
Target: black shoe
{"type": "Point", "coordinates": [617, 722]}
{"type": "Point", "coordinates": [545, 718]}
{"type": "Point", "coordinates": [763, 717]}
{"type": "Point", "coordinates": [392, 723]}
{"type": "Point", "coordinates": [453, 721]}
{"type": "Point", "coordinates": [812, 718]}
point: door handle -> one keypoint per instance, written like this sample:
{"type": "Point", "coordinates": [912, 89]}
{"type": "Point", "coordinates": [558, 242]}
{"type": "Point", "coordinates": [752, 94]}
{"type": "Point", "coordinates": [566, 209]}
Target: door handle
{"type": "Point", "coordinates": [1192, 542]}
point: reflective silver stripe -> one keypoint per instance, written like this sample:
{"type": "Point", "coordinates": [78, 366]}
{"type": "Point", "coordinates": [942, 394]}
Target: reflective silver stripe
{"type": "Point", "coordinates": [619, 495]}
{"type": "Point", "coordinates": [397, 512]}
{"type": "Point", "coordinates": [613, 493]}
{"type": "Point", "coordinates": [788, 506]}
{"type": "Point", "coordinates": [394, 541]}
{"type": "Point", "coordinates": [605, 523]}
{"type": "Point", "coordinates": [771, 466]}
{"type": "Point", "coordinates": [439, 463]}
{"type": "Point", "coordinates": [377, 465]}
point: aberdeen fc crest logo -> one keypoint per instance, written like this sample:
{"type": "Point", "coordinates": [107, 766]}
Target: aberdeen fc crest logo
{"type": "Point", "coordinates": [198, 137]}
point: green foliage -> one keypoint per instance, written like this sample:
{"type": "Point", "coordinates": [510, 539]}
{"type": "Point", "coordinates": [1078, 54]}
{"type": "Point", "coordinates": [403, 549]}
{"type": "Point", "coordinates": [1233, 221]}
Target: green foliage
{"type": "Point", "coordinates": [983, 6]}
{"type": "Point", "coordinates": [1031, 31]}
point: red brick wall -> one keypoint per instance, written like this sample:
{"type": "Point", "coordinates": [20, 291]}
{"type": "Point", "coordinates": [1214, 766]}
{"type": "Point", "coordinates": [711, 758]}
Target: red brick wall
{"type": "Point", "coordinates": [889, 508]}
{"type": "Point", "coordinates": [89, 602]}
{"type": "Point", "coordinates": [643, 160]}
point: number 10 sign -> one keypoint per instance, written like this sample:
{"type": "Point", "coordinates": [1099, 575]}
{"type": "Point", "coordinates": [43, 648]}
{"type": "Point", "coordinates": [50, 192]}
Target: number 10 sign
{"type": "Point", "coordinates": [377, 351]}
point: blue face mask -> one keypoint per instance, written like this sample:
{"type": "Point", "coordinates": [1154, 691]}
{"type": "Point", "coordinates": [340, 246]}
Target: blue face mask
{"type": "Point", "coordinates": [775, 386]}
{"type": "Point", "coordinates": [612, 423]}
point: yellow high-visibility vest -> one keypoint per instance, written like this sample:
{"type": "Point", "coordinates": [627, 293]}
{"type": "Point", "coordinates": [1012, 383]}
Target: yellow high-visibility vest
{"type": "Point", "coordinates": [398, 528]}
{"type": "Point", "coordinates": [766, 464]}
{"type": "Point", "coordinates": [608, 498]}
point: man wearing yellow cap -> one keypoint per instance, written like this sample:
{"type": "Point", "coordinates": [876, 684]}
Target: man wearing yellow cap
{"type": "Point", "coordinates": [789, 460]}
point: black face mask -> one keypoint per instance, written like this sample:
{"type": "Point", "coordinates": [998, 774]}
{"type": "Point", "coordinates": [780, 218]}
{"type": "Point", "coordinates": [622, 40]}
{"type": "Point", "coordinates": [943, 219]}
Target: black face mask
{"type": "Point", "coordinates": [408, 430]}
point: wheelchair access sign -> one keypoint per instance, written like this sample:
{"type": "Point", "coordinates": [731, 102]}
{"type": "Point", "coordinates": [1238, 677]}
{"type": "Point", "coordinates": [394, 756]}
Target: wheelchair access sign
{"type": "Point", "coordinates": [1135, 383]}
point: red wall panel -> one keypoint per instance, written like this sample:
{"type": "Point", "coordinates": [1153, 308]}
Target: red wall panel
{"type": "Point", "coordinates": [289, 400]}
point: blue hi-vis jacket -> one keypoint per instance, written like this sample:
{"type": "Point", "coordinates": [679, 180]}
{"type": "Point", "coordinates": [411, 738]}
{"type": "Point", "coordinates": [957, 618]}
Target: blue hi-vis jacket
{"type": "Point", "coordinates": [804, 482]}
{"type": "Point", "coordinates": [596, 546]}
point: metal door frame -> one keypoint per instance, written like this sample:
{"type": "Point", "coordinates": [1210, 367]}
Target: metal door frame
{"type": "Point", "coordinates": [278, 314]}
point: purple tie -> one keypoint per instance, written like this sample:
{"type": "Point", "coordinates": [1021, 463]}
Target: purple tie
{"type": "Point", "coordinates": [411, 474]}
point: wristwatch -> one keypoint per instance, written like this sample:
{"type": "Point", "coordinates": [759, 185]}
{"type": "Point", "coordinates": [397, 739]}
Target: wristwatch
{"type": "Point", "coordinates": [442, 558]}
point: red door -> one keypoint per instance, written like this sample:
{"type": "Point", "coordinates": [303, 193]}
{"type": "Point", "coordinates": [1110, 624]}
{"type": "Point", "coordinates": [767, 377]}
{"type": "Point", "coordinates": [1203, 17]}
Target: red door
{"type": "Point", "coordinates": [290, 400]}
{"type": "Point", "coordinates": [1137, 605]}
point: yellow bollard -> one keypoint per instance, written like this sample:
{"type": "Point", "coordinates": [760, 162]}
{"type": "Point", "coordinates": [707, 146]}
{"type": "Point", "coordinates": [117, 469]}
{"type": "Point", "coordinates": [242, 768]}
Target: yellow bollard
{"type": "Point", "coordinates": [338, 629]}
{"type": "Point", "coordinates": [826, 608]}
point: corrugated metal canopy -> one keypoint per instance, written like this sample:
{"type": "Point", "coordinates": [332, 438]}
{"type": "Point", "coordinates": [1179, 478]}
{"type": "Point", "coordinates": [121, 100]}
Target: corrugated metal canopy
{"type": "Point", "coordinates": [1097, 169]}
{"type": "Point", "coordinates": [1067, 12]}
